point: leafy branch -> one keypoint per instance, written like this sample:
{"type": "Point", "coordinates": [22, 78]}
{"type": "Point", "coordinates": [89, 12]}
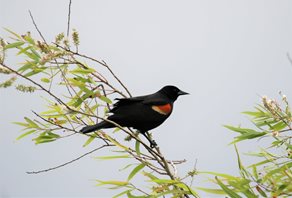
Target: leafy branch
{"type": "Point", "coordinates": [271, 176]}
{"type": "Point", "coordinates": [85, 99]}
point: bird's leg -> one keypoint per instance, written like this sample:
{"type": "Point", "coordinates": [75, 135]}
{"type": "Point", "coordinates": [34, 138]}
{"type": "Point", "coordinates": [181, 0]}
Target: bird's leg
{"type": "Point", "coordinates": [152, 142]}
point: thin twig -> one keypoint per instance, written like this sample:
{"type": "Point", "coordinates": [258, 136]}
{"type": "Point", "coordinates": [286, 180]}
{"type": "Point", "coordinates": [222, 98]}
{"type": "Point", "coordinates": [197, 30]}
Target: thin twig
{"type": "Point", "coordinates": [78, 158]}
{"type": "Point", "coordinates": [50, 122]}
{"type": "Point", "coordinates": [69, 17]}
{"type": "Point", "coordinates": [103, 63]}
{"type": "Point", "coordinates": [35, 83]}
{"type": "Point", "coordinates": [44, 40]}
{"type": "Point", "coordinates": [36, 27]}
{"type": "Point", "coordinates": [114, 75]}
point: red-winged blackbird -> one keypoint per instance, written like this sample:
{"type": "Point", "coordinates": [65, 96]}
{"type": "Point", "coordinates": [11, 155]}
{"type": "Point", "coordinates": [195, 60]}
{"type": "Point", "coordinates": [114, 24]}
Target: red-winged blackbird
{"type": "Point", "coordinates": [142, 113]}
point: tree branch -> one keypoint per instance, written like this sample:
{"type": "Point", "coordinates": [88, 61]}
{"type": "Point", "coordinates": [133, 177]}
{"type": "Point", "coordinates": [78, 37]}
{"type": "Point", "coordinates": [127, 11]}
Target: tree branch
{"type": "Point", "coordinates": [78, 158]}
{"type": "Point", "coordinates": [69, 17]}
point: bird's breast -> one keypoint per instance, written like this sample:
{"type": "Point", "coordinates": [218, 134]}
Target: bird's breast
{"type": "Point", "coordinates": [163, 109]}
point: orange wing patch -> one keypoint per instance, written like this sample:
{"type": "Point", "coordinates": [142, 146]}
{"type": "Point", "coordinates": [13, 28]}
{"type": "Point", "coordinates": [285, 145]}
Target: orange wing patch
{"type": "Point", "coordinates": [162, 109]}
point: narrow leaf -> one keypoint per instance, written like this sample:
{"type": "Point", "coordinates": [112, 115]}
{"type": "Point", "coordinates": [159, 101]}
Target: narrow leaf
{"type": "Point", "coordinates": [105, 99]}
{"type": "Point", "coordinates": [213, 191]}
{"type": "Point", "coordinates": [112, 182]}
{"type": "Point", "coordinates": [220, 175]}
{"type": "Point", "coordinates": [150, 176]}
{"type": "Point", "coordinates": [122, 193]}
{"type": "Point", "coordinates": [31, 123]}
{"type": "Point", "coordinates": [228, 191]}
{"type": "Point", "coordinates": [11, 32]}
{"type": "Point", "coordinates": [22, 124]}
{"type": "Point", "coordinates": [82, 71]}
{"type": "Point", "coordinates": [137, 148]}
{"type": "Point", "coordinates": [13, 45]}
{"type": "Point", "coordinates": [89, 140]}
{"type": "Point", "coordinates": [262, 193]}
{"type": "Point", "coordinates": [113, 157]}
{"type": "Point", "coordinates": [25, 134]}
{"type": "Point", "coordinates": [45, 80]}
{"type": "Point", "coordinates": [133, 196]}
{"type": "Point", "coordinates": [135, 171]}
{"type": "Point", "coordinates": [240, 130]}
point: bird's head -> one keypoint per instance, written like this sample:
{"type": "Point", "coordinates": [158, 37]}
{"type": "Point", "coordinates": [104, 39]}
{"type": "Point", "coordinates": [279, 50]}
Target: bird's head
{"type": "Point", "coordinates": [172, 92]}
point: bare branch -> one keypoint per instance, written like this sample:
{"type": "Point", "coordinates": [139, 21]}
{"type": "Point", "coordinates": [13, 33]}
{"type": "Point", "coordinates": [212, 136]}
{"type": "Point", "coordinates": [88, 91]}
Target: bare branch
{"type": "Point", "coordinates": [36, 27]}
{"type": "Point", "coordinates": [69, 17]}
{"type": "Point", "coordinates": [62, 165]}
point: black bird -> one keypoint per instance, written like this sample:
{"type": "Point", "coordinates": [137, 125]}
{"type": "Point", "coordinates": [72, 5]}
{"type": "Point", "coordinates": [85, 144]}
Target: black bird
{"type": "Point", "coordinates": [142, 113]}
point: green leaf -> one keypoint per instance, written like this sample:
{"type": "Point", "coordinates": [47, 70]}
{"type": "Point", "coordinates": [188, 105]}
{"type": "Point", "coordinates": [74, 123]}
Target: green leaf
{"type": "Point", "coordinates": [11, 32]}
{"type": "Point", "coordinates": [41, 141]}
{"type": "Point", "coordinates": [25, 134]}
{"type": "Point", "coordinates": [89, 140]}
{"type": "Point", "coordinates": [105, 99]}
{"type": "Point", "coordinates": [22, 124]}
{"type": "Point", "coordinates": [213, 191]}
{"type": "Point", "coordinates": [262, 193]}
{"type": "Point", "coordinates": [228, 191]}
{"type": "Point", "coordinates": [31, 55]}
{"type": "Point", "coordinates": [45, 137]}
{"type": "Point", "coordinates": [187, 189]}
{"type": "Point", "coordinates": [122, 193]}
{"type": "Point", "coordinates": [112, 182]}
{"type": "Point", "coordinates": [28, 65]}
{"type": "Point", "coordinates": [35, 71]}
{"type": "Point", "coordinates": [36, 54]}
{"type": "Point", "coordinates": [127, 166]}
{"type": "Point", "coordinates": [115, 142]}
{"type": "Point", "coordinates": [45, 80]}
{"type": "Point", "coordinates": [256, 114]}
{"type": "Point", "coordinates": [135, 171]}
{"type": "Point", "coordinates": [116, 130]}
{"type": "Point", "coordinates": [79, 100]}
{"type": "Point", "coordinates": [150, 176]}
{"type": "Point", "coordinates": [260, 163]}
{"type": "Point", "coordinates": [240, 130]}
{"type": "Point", "coordinates": [279, 126]}
{"type": "Point", "coordinates": [31, 123]}
{"type": "Point", "coordinates": [113, 157]}
{"type": "Point", "coordinates": [82, 71]}
{"type": "Point", "coordinates": [24, 50]}
{"type": "Point", "coordinates": [137, 148]}
{"type": "Point", "coordinates": [134, 196]}
{"type": "Point", "coordinates": [53, 135]}
{"type": "Point", "coordinates": [29, 39]}
{"type": "Point", "coordinates": [282, 168]}
{"type": "Point", "coordinates": [255, 172]}
{"type": "Point", "coordinates": [229, 177]}
{"type": "Point", "coordinates": [76, 82]}
{"type": "Point", "coordinates": [243, 171]}
{"type": "Point", "coordinates": [177, 193]}
{"type": "Point", "coordinates": [13, 45]}
{"type": "Point", "coordinates": [250, 135]}
{"type": "Point", "coordinates": [164, 181]}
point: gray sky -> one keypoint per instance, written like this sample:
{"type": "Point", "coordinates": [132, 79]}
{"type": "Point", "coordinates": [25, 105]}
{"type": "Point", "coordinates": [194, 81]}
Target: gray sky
{"type": "Point", "coordinates": [225, 53]}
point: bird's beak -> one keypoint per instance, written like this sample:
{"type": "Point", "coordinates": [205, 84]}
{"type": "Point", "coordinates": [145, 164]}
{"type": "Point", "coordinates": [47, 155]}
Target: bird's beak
{"type": "Point", "coordinates": [182, 93]}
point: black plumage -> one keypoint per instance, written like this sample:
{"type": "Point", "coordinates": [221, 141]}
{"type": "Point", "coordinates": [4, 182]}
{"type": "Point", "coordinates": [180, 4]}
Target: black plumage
{"type": "Point", "coordinates": [142, 113]}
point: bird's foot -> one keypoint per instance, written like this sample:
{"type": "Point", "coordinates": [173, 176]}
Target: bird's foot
{"type": "Point", "coordinates": [153, 144]}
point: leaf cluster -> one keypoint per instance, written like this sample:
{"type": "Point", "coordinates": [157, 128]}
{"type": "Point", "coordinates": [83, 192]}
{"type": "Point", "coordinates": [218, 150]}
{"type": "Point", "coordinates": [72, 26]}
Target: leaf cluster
{"type": "Point", "coordinates": [271, 176]}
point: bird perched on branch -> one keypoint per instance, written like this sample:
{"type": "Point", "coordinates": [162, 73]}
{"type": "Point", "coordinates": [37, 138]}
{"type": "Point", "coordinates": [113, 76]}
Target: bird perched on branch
{"type": "Point", "coordinates": [142, 113]}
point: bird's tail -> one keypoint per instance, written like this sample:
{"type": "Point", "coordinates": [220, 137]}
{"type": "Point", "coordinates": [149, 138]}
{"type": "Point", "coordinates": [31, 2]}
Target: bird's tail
{"type": "Point", "coordinates": [96, 127]}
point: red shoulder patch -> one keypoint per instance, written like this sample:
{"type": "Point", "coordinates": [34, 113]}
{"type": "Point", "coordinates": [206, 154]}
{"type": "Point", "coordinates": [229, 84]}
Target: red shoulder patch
{"type": "Point", "coordinates": [162, 109]}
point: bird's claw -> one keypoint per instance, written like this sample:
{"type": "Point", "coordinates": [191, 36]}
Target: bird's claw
{"type": "Point", "coordinates": [153, 144]}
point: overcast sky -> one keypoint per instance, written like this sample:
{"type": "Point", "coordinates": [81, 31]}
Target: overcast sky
{"type": "Point", "coordinates": [225, 53]}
